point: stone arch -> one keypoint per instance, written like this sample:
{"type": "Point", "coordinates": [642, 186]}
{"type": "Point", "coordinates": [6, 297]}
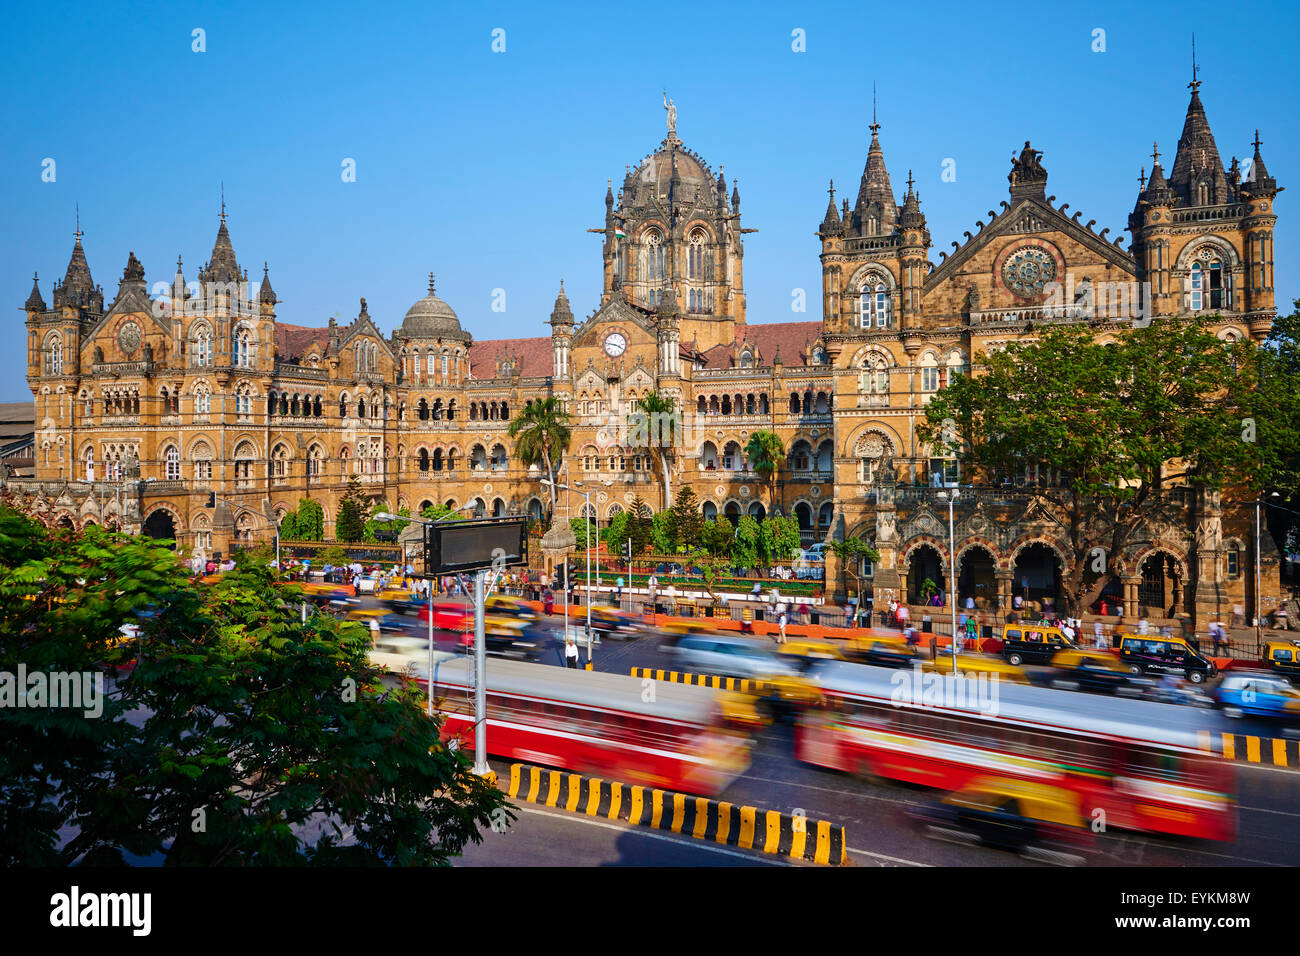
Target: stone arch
{"type": "Point", "coordinates": [1193, 249]}
{"type": "Point", "coordinates": [873, 269]}
{"type": "Point", "coordinates": [976, 577]}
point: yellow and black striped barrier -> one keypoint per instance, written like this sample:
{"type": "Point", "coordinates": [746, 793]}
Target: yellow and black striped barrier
{"type": "Point", "coordinates": [748, 828]}
{"type": "Point", "coordinates": [742, 684]}
{"type": "Point", "coordinates": [1273, 751]}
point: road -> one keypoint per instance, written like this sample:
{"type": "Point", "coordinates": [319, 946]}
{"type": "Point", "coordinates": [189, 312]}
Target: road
{"type": "Point", "coordinates": [875, 814]}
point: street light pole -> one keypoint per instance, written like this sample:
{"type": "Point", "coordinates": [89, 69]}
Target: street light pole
{"type": "Point", "coordinates": [586, 507]}
{"type": "Point", "coordinates": [952, 569]}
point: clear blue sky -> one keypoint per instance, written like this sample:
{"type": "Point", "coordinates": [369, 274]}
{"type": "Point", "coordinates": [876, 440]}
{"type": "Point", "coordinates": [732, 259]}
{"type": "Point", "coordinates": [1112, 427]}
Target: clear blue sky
{"type": "Point", "coordinates": [487, 167]}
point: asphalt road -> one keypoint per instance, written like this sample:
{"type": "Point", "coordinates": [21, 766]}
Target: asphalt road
{"type": "Point", "coordinates": [875, 814]}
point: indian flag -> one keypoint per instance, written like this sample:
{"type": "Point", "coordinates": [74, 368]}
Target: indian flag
{"type": "Point", "coordinates": [619, 232]}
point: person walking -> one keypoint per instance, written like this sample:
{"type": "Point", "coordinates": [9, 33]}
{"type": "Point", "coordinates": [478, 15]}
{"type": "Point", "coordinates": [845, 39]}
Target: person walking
{"type": "Point", "coordinates": [570, 652]}
{"type": "Point", "coordinates": [1098, 635]}
{"type": "Point", "coordinates": [618, 590]}
{"type": "Point", "coordinates": [548, 601]}
{"type": "Point", "coordinates": [781, 619]}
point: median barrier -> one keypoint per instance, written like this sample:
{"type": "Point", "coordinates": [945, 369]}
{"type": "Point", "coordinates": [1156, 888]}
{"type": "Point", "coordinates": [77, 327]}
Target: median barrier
{"type": "Point", "coordinates": [744, 827]}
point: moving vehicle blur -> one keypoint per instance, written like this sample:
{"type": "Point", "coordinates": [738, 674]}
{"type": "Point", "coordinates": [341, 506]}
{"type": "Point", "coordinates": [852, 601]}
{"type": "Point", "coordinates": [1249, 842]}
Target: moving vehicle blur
{"type": "Point", "coordinates": [1087, 669]}
{"type": "Point", "coordinates": [401, 601]}
{"type": "Point", "coordinates": [977, 664]}
{"type": "Point", "coordinates": [1138, 762]}
{"type": "Point", "coordinates": [614, 623]}
{"type": "Point", "coordinates": [707, 653]}
{"type": "Point", "coordinates": [590, 722]}
{"type": "Point", "coordinates": [1014, 815]}
{"type": "Point", "coordinates": [882, 651]}
{"type": "Point", "coordinates": [1257, 695]}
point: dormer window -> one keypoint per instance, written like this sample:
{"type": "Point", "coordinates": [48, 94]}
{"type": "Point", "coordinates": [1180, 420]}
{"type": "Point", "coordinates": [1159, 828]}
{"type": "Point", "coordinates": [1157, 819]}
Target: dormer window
{"type": "Point", "coordinates": [747, 360]}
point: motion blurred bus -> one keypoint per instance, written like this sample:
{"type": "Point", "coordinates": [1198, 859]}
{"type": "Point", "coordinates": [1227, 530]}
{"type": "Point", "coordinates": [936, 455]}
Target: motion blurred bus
{"type": "Point", "coordinates": [670, 736]}
{"type": "Point", "coordinates": [1135, 765]}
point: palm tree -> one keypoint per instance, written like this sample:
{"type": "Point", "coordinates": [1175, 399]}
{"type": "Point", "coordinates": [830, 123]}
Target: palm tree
{"type": "Point", "coordinates": [765, 452]}
{"type": "Point", "coordinates": [660, 434]}
{"type": "Point", "coordinates": [541, 433]}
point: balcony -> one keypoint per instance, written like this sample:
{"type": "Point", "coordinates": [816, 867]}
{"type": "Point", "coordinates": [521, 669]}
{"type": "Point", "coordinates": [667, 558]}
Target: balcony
{"type": "Point", "coordinates": [120, 369]}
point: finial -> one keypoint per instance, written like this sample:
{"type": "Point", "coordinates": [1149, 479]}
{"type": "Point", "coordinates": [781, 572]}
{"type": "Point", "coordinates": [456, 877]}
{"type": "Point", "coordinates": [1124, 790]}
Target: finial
{"type": "Point", "coordinates": [1257, 142]}
{"type": "Point", "coordinates": [1155, 155]}
{"type": "Point", "coordinates": [874, 127]}
{"type": "Point", "coordinates": [832, 192]}
{"type": "Point", "coordinates": [1142, 178]}
{"type": "Point", "coordinates": [1195, 84]}
{"type": "Point", "coordinates": [909, 180]}
{"type": "Point", "coordinates": [430, 283]}
{"type": "Point", "coordinates": [223, 202]}
{"type": "Point", "coordinates": [78, 234]}
{"type": "Point", "coordinates": [265, 270]}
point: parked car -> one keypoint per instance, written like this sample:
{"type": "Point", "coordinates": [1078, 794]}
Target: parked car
{"type": "Point", "coordinates": [1257, 695]}
{"type": "Point", "coordinates": [1282, 658]}
{"type": "Point", "coordinates": [1032, 642]}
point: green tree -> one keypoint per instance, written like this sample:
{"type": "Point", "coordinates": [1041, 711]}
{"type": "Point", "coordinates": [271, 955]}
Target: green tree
{"type": "Point", "coordinates": [765, 453]}
{"type": "Point", "coordinates": [685, 522]}
{"type": "Point", "coordinates": [779, 538]}
{"type": "Point", "coordinates": [441, 512]}
{"type": "Point", "coordinates": [717, 537]}
{"type": "Point", "coordinates": [744, 546]}
{"type": "Point", "coordinates": [1110, 429]}
{"type": "Point", "coordinates": [541, 433]}
{"type": "Point", "coordinates": [309, 520]}
{"type": "Point", "coordinates": [350, 524]}
{"type": "Point", "coordinates": [583, 531]}
{"type": "Point", "coordinates": [851, 552]}
{"type": "Point", "coordinates": [281, 731]}
{"type": "Point", "coordinates": [289, 527]}
{"type": "Point", "coordinates": [374, 525]}
{"type": "Point", "coordinates": [656, 425]}
{"type": "Point", "coordinates": [615, 533]}
{"type": "Point", "coordinates": [661, 534]}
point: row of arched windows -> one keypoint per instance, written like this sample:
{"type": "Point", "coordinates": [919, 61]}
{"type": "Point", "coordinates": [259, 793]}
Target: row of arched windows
{"type": "Point", "coordinates": [299, 406]}
{"type": "Point", "coordinates": [810, 404]}
{"type": "Point", "coordinates": [751, 404]}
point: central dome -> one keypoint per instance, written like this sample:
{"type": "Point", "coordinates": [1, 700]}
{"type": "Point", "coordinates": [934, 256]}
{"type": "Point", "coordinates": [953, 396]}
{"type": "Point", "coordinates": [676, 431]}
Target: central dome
{"type": "Point", "coordinates": [431, 317]}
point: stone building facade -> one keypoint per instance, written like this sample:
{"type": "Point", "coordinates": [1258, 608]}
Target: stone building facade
{"type": "Point", "coordinates": [196, 387]}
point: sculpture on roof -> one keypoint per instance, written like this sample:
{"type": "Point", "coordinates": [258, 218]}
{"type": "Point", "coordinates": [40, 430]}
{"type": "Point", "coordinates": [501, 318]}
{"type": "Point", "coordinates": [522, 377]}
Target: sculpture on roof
{"type": "Point", "coordinates": [672, 115]}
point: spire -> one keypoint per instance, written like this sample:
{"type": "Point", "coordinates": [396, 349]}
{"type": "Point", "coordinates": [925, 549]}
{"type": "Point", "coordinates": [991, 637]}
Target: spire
{"type": "Point", "coordinates": [735, 196]}
{"type": "Point", "coordinates": [222, 266]}
{"type": "Point", "coordinates": [1195, 84]}
{"type": "Point", "coordinates": [831, 224]}
{"type": "Point", "coordinates": [78, 288]}
{"type": "Point", "coordinates": [267, 294]}
{"type": "Point", "coordinates": [721, 186]}
{"type": "Point", "coordinates": [1157, 190]}
{"type": "Point", "coordinates": [875, 194]}
{"type": "Point", "coordinates": [561, 314]}
{"type": "Point", "coordinates": [609, 195]}
{"type": "Point", "coordinates": [34, 301]}
{"type": "Point", "coordinates": [911, 216]}
{"type": "Point", "coordinates": [431, 289]}
{"type": "Point", "coordinates": [1258, 181]}
{"type": "Point", "coordinates": [1198, 177]}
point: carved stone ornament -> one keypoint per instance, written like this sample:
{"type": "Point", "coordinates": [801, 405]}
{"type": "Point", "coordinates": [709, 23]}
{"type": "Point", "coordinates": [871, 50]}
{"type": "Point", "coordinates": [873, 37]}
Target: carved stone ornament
{"type": "Point", "coordinates": [128, 337]}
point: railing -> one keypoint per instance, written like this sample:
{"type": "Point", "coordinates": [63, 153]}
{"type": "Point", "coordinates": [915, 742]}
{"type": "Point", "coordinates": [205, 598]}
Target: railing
{"type": "Point", "coordinates": [123, 368]}
{"type": "Point", "coordinates": [1031, 314]}
{"type": "Point", "coordinates": [171, 486]}
{"type": "Point", "coordinates": [301, 371]}
{"type": "Point", "coordinates": [1228, 211]}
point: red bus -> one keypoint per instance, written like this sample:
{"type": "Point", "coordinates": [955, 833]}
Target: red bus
{"type": "Point", "coordinates": [665, 735]}
{"type": "Point", "coordinates": [1137, 763]}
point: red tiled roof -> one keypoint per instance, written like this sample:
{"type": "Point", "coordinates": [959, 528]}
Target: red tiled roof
{"type": "Point", "coordinates": [294, 341]}
{"type": "Point", "coordinates": [535, 356]}
{"type": "Point", "coordinates": [791, 339]}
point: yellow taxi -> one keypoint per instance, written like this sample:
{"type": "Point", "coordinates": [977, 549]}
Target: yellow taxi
{"type": "Point", "coordinates": [882, 651]}
{"type": "Point", "coordinates": [1282, 658]}
{"type": "Point", "coordinates": [690, 627]}
{"type": "Point", "coordinates": [503, 605]}
{"type": "Point", "coordinates": [1015, 815]}
{"type": "Point", "coordinates": [739, 711]}
{"type": "Point", "coordinates": [977, 663]}
{"type": "Point", "coordinates": [807, 650]}
{"type": "Point", "coordinates": [1089, 669]}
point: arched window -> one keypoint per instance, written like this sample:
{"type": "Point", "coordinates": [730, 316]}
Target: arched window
{"type": "Point", "coordinates": [54, 355]}
{"type": "Point", "coordinates": [874, 303]}
{"type": "Point", "coordinates": [172, 457]}
{"type": "Point", "coordinates": [655, 257]}
{"type": "Point", "coordinates": [89, 459]}
{"type": "Point", "coordinates": [695, 256]}
{"type": "Point", "coordinates": [424, 459]}
{"type": "Point", "coordinates": [874, 378]}
{"type": "Point", "coordinates": [202, 399]}
{"type": "Point", "coordinates": [929, 373]}
{"type": "Point", "coordinates": [241, 350]}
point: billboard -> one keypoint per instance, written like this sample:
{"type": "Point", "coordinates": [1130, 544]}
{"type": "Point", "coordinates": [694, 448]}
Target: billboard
{"type": "Point", "coordinates": [454, 546]}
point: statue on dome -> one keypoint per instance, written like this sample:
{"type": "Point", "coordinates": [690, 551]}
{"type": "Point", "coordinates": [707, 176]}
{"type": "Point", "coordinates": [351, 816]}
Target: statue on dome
{"type": "Point", "coordinates": [672, 115]}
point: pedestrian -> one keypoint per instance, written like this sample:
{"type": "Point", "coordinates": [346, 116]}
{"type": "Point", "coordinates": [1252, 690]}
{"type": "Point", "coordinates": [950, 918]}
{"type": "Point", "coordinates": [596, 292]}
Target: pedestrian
{"type": "Point", "coordinates": [618, 589]}
{"type": "Point", "coordinates": [970, 603]}
{"type": "Point", "coordinates": [548, 601]}
{"type": "Point", "coordinates": [781, 621]}
{"type": "Point", "coordinates": [570, 652]}
{"type": "Point", "coordinates": [805, 613]}
{"type": "Point", "coordinates": [1142, 625]}
{"type": "Point", "coordinates": [1098, 635]}
{"type": "Point", "coordinates": [1017, 602]}
{"type": "Point", "coordinates": [903, 615]}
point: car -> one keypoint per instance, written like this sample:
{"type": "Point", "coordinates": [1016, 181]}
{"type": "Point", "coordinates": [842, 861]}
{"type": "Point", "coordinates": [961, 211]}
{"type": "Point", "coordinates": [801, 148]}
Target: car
{"type": "Point", "coordinates": [1013, 815]}
{"type": "Point", "coordinates": [401, 601]}
{"type": "Point", "coordinates": [803, 652]}
{"type": "Point", "coordinates": [1257, 695]}
{"type": "Point", "coordinates": [1089, 669]}
{"type": "Point", "coordinates": [1282, 658]}
{"type": "Point", "coordinates": [502, 605]}
{"type": "Point", "coordinates": [1156, 654]}
{"type": "Point", "coordinates": [883, 651]}
{"type": "Point", "coordinates": [614, 623]}
{"type": "Point", "coordinates": [729, 656]}
{"type": "Point", "coordinates": [977, 664]}
{"type": "Point", "coordinates": [1031, 642]}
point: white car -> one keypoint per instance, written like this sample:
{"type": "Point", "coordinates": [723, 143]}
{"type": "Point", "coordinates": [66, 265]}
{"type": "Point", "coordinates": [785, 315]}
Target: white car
{"type": "Point", "coordinates": [367, 584]}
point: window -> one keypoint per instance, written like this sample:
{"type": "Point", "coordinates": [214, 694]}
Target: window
{"type": "Point", "coordinates": [929, 379]}
{"type": "Point", "coordinates": [54, 356]}
{"type": "Point", "coordinates": [1234, 561]}
{"type": "Point", "coordinates": [202, 470]}
{"type": "Point", "coordinates": [655, 259]}
{"type": "Point", "coordinates": [90, 464]}
{"type": "Point", "coordinates": [241, 352]}
{"type": "Point", "coordinates": [874, 304]}
{"type": "Point", "coordinates": [173, 464]}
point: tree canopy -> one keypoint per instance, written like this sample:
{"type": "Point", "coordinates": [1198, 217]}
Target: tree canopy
{"type": "Point", "coordinates": [239, 736]}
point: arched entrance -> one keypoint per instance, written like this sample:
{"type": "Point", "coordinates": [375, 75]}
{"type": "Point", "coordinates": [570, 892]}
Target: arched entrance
{"type": "Point", "coordinates": [926, 564]}
{"type": "Point", "coordinates": [977, 578]}
{"type": "Point", "coordinates": [757, 511]}
{"type": "Point", "coordinates": [1160, 589]}
{"type": "Point", "coordinates": [732, 512]}
{"type": "Point", "coordinates": [1037, 575]}
{"type": "Point", "coordinates": [803, 514]}
{"type": "Point", "coordinates": [160, 526]}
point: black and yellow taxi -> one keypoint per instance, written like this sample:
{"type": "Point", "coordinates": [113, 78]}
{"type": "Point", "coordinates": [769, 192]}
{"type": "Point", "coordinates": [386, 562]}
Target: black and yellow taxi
{"type": "Point", "coordinates": [882, 651]}
{"type": "Point", "coordinates": [1031, 642]}
{"type": "Point", "coordinates": [1089, 669]}
{"type": "Point", "coordinates": [1159, 654]}
{"type": "Point", "coordinates": [1013, 814]}
{"type": "Point", "coordinates": [1283, 659]}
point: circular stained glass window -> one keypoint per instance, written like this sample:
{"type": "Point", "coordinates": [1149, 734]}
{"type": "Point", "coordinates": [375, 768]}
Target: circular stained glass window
{"type": "Point", "coordinates": [1028, 271]}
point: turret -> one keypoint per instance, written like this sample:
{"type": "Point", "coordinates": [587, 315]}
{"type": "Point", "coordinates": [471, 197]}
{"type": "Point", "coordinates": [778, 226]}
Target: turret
{"type": "Point", "coordinates": [561, 334]}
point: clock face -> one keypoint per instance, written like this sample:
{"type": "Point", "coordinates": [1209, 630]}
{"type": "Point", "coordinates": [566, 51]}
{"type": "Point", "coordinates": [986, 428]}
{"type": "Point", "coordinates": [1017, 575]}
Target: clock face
{"type": "Point", "coordinates": [615, 344]}
{"type": "Point", "coordinates": [1028, 271]}
{"type": "Point", "coordinates": [128, 337]}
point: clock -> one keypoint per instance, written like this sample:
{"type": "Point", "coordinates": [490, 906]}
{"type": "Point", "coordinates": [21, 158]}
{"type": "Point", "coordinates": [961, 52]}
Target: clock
{"type": "Point", "coordinates": [615, 344]}
{"type": "Point", "coordinates": [128, 337]}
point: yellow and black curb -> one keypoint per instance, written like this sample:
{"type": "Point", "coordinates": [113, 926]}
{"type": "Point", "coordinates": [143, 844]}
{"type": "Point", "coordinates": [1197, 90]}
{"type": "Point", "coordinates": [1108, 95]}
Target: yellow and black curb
{"type": "Point", "coordinates": [741, 684]}
{"type": "Point", "coordinates": [747, 828]}
{"type": "Point", "coordinates": [1247, 748]}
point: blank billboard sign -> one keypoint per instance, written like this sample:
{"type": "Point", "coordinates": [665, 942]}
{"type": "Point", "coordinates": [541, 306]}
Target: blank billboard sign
{"type": "Point", "coordinates": [474, 545]}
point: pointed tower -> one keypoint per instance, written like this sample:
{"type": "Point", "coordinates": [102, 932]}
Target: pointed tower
{"type": "Point", "coordinates": [1198, 177]}
{"type": "Point", "coordinates": [561, 335]}
{"type": "Point", "coordinates": [914, 256]}
{"type": "Point", "coordinates": [1258, 192]}
{"type": "Point", "coordinates": [1151, 223]}
{"type": "Point", "coordinates": [875, 212]}
{"type": "Point", "coordinates": [35, 303]}
{"type": "Point", "coordinates": [78, 289]}
{"type": "Point", "coordinates": [266, 295]}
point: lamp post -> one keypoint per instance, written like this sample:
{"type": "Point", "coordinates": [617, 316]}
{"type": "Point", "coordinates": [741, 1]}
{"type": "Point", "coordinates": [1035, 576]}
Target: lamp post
{"type": "Point", "coordinates": [587, 506]}
{"type": "Point", "coordinates": [951, 498]}
{"type": "Point", "coordinates": [1259, 608]}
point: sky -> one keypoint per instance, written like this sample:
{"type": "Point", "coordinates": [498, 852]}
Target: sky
{"type": "Point", "coordinates": [483, 155]}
